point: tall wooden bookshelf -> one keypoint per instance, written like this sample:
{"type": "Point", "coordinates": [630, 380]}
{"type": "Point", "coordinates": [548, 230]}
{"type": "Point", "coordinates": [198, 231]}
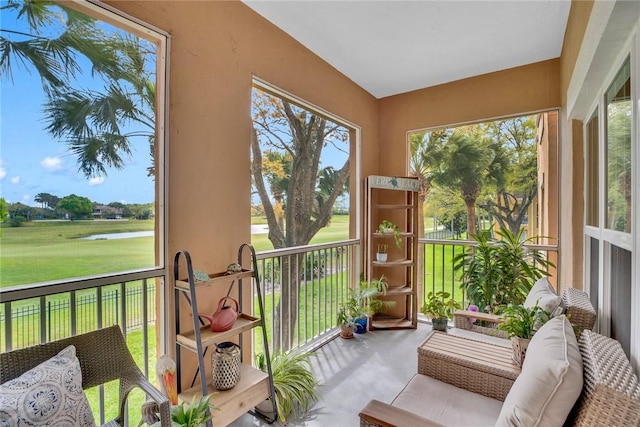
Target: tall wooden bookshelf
{"type": "Point", "coordinates": [394, 199]}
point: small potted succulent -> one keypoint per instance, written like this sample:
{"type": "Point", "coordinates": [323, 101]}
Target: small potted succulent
{"type": "Point", "coordinates": [381, 255]}
{"type": "Point", "coordinates": [388, 227]}
{"type": "Point", "coordinates": [520, 323]}
{"type": "Point", "coordinates": [439, 307]}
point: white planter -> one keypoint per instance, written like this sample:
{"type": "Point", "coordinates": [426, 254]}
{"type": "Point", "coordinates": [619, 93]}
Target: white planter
{"type": "Point", "coordinates": [381, 257]}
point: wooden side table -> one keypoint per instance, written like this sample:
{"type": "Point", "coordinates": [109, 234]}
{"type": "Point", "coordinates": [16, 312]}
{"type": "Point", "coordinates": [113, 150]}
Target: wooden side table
{"type": "Point", "coordinates": [476, 366]}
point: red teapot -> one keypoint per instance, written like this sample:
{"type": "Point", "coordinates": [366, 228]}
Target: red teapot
{"type": "Point", "coordinates": [224, 317]}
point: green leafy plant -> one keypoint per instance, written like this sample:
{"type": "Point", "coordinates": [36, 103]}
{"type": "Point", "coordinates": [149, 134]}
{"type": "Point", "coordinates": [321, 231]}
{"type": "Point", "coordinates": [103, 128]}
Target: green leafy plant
{"type": "Point", "coordinates": [293, 381]}
{"type": "Point", "coordinates": [522, 322]}
{"type": "Point", "coordinates": [383, 248]}
{"type": "Point", "coordinates": [387, 227]}
{"type": "Point", "coordinates": [367, 296]}
{"type": "Point", "coordinates": [498, 272]}
{"type": "Point", "coordinates": [439, 305]}
{"type": "Point", "coordinates": [193, 415]}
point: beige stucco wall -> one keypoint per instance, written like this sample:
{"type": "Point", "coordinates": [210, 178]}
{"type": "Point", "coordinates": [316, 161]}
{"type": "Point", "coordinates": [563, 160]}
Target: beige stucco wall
{"type": "Point", "coordinates": [571, 203]}
{"type": "Point", "coordinates": [216, 48]}
{"type": "Point", "coordinates": [518, 90]}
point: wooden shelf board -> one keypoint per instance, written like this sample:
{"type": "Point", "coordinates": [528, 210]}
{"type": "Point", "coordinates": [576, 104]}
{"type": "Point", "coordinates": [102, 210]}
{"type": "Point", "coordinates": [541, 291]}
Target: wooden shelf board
{"type": "Point", "coordinates": [402, 290]}
{"type": "Point", "coordinates": [216, 279]}
{"type": "Point", "coordinates": [393, 262]}
{"type": "Point", "coordinates": [252, 389]}
{"type": "Point", "coordinates": [242, 324]}
{"type": "Point", "coordinates": [392, 323]}
{"type": "Point", "coordinates": [391, 235]}
{"type": "Point", "coordinates": [395, 206]}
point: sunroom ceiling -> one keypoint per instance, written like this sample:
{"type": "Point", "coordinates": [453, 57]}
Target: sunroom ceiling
{"type": "Point", "coordinates": [390, 47]}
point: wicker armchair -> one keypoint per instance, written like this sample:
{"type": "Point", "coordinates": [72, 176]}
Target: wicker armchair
{"type": "Point", "coordinates": [578, 309]}
{"type": "Point", "coordinates": [103, 356]}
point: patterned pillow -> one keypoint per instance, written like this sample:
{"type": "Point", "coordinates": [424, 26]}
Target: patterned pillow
{"type": "Point", "coordinates": [48, 395]}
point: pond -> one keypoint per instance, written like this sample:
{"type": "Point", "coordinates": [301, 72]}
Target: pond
{"type": "Point", "coordinates": [111, 236]}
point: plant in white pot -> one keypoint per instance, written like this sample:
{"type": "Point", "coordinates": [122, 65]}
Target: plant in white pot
{"type": "Point", "coordinates": [520, 323]}
{"type": "Point", "coordinates": [381, 255]}
{"type": "Point", "coordinates": [439, 307]}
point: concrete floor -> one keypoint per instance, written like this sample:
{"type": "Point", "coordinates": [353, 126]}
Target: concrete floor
{"type": "Point", "coordinates": [374, 365]}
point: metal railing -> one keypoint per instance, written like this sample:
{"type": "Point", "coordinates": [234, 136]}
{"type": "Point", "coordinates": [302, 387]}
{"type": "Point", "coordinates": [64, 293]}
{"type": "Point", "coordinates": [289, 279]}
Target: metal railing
{"type": "Point", "coordinates": [437, 266]}
{"type": "Point", "coordinates": [35, 314]}
{"type": "Point", "coordinates": [302, 288]}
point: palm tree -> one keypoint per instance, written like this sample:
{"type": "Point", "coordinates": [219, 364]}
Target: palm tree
{"type": "Point", "coordinates": [91, 122]}
{"type": "Point", "coordinates": [423, 145]}
{"type": "Point", "coordinates": [463, 165]}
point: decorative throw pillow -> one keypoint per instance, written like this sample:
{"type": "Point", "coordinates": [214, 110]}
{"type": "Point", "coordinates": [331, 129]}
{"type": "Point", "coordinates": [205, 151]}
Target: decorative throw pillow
{"type": "Point", "coordinates": [550, 381]}
{"type": "Point", "coordinates": [543, 293]}
{"type": "Point", "coordinates": [48, 395]}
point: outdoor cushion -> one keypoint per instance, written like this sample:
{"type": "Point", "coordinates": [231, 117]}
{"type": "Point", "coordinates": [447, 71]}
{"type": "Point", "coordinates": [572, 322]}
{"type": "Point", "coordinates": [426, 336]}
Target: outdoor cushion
{"type": "Point", "coordinates": [551, 379]}
{"type": "Point", "coordinates": [48, 395]}
{"type": "Point", "coordinates": [543, 293]}
{"type": "Point", "coordinates": [446, 404]}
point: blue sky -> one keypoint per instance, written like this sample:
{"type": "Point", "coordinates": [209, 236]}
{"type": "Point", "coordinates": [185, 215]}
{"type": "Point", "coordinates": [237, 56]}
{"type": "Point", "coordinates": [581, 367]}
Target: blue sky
{"type": "Point", "coordinates": [32, 162]}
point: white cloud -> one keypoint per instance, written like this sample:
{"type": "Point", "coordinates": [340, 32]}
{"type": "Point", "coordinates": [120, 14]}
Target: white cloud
{"type": "Point", "coordinates": [97, 180]}
{"type": "Point", "coordinates": [25, 199]}
{"type": "Point", "coordinates": [3, 171]}
{"type": "Point", "coordinates": [52, 164]}
{"type": "Point", "coordinates": [15, 180]}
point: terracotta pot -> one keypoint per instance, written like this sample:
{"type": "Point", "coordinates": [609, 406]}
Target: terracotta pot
{"type": "Point", "coordinates": [519, 346]}
{"type": "Point", "coordinates": [346, 332]}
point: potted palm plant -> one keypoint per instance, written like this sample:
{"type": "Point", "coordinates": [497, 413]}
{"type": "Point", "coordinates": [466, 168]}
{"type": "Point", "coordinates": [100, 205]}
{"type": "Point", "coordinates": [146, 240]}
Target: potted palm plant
{"type": "Point", "coordinates": [439, 307]}
{"type": "Point", "coordinates": [520, 323]}
{"type": "Point", "coordinates": [498, 272]}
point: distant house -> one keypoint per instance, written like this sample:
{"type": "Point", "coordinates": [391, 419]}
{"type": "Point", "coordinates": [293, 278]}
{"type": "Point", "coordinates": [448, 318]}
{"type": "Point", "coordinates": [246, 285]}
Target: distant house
{"type": "Point", "coordinates": [106, 212]}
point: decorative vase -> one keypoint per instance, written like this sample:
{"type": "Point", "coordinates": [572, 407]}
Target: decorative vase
{"type": "Point", "coordinates": [519, 346]}
{"type": "Point", "coordinates": [440, 324]}
{"type": "Point", "coordinates": [225, 366]}
{"type": "Point", "coordinates": [361, 325]}
{"type": "Point", "coordinates": [381, 257]}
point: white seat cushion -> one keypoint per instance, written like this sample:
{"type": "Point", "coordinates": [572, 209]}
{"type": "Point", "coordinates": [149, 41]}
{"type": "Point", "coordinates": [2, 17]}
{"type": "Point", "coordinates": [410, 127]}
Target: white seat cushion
{"type": "Point", "coordinates": [446, 404]}
{"type": "Point", "coordinates": [48, 395]}
{"type": "Point", "coordinates": [551, 379]}
{"type": "Point", "coordinates": [543, 293]}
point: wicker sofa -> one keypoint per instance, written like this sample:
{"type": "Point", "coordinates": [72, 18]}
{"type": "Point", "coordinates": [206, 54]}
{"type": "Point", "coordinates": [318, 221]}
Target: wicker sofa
{"type": "Point", "coordinates": [103, 357]}
{"type": "Point", "coordinates": [576, 303]}
{"type": "Point", "coordinates": [608, 395]}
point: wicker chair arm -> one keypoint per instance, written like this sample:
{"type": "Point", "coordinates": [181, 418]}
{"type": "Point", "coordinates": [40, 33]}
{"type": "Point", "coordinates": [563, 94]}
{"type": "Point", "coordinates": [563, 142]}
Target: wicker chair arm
{"type": "Point", "coordinates": [378, 414]}
{"type": "Point", "coordinates": [134, 378]}
{"type": "Point", "coordinates": [579, 309]}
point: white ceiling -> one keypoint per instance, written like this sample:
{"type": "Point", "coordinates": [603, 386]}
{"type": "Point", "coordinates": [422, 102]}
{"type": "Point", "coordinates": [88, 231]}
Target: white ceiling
{"type": "Point", "coordinates": [390, 47]}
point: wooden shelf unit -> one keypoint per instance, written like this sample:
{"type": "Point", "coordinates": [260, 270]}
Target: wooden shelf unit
{"type": "Point", "coordinates": [255, 385]}
{"type": "Point", "coordinates": [395, 199]}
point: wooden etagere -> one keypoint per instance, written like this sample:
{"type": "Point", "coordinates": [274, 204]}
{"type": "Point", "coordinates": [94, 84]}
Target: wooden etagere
{"type": "Point", "coordinates": [255, 385]}
{"type": "Point", "coordinates": [394, 199]}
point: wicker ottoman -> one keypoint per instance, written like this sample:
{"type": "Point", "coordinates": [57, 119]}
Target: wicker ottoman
{"type": "Point", "coordinates": [476, 366]}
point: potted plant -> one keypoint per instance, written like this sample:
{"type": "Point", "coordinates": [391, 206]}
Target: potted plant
{"type": "Point", "coordinates": [439, 308]}
{"type": "Point", "coordinates": [293, 381]}
{"type": "Point", "coordinates": [388, 227]}
{"type": "Point", "coordinates": [381, 255]}
{"type": "Point", "coordinates": [520, 323]}
{"type": "Point", "coordinates": [498, 272]}
{"type": "Point", "coordinates": [369, 304]}
{"type": "Point", "coordinates": [346, 322]}
{"type": "Point", "coordinates": [193, 414]}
